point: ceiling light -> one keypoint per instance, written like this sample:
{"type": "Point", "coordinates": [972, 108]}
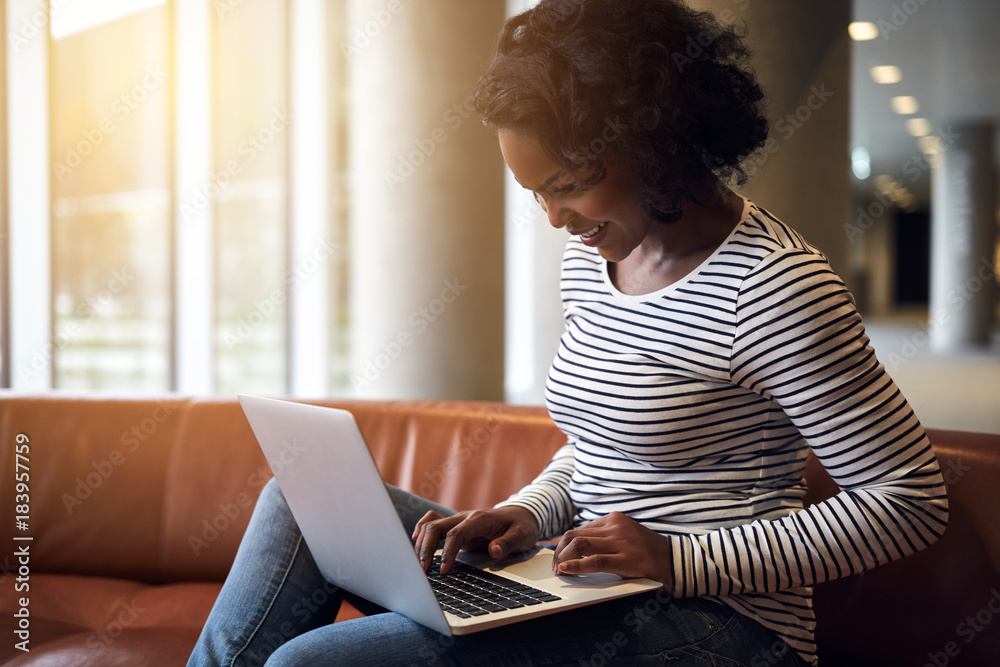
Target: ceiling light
{"type": "Point", "coordinates": [918, 127]}
{"type": "Point", "coordinates": [887, 74]}
{"type": "Point", "coordinates": [861, 163]}
{"type": "Point", "coordinates": [905, 105]}
{"type": "Point", "coordinates": [930, 145]}
{"type": "Point", "coordinates": [862, 31]}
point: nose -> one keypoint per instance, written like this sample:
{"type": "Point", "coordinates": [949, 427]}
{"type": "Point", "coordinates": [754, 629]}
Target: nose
{"type": "Point", "coordinates": [557, 214]}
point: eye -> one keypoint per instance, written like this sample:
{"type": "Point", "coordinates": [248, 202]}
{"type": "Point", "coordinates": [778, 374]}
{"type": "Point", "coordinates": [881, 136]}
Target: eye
{"type": "Point", "coordinates": [540, 201]}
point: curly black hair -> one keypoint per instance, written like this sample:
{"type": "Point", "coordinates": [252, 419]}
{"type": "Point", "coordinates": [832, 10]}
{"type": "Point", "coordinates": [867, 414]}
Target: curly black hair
{"type": "Point", "coordinates": [668, 89]}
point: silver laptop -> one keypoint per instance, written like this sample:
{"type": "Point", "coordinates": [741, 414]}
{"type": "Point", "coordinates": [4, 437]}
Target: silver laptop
{"type": "Point", "coordinates": [328, 477]}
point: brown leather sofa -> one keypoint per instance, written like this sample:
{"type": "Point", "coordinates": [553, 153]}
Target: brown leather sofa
{"type": "Point", "coordinates": [136, 508]}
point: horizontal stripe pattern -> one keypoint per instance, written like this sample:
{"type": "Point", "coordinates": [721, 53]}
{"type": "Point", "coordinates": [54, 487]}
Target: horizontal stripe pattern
{"type": "Point", "coordinates": [692, 410]}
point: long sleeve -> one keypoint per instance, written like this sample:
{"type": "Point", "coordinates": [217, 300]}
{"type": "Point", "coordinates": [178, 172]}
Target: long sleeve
{"type": "Point", "coordinates": [548, 496]}
{"type": "Point", "coordinates": [800, 344]}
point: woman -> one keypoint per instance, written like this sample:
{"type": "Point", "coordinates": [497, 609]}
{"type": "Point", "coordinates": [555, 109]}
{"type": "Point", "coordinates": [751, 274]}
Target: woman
{"type": "Point", "coordinates": [707, 346]}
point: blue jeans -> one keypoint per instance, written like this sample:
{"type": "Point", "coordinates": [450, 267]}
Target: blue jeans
{"type": "Point", "coordinates": [276, 608]}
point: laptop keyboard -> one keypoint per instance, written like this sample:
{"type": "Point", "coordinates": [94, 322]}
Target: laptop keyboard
{"type": "Point", "coordinates": [467, 591]}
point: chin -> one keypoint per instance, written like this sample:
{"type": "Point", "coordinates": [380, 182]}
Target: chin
{"type": "Point", "coordinates": [611, 254]}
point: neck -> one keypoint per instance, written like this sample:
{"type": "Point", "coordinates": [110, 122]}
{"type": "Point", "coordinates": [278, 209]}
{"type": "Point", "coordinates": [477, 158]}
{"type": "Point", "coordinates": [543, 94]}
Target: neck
{"type": "Point", "coordinates": [704, 225]}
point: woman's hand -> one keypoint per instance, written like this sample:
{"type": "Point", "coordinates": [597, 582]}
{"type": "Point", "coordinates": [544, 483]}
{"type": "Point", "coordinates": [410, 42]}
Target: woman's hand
{"type": "Point", "coordinates": [616, 544]}
{"type": "Point", "coordinates": [501, 531]}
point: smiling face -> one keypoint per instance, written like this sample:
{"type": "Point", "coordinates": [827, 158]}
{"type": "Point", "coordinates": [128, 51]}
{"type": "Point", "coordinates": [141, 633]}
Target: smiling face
{"type": "Point", "coordinates": [608, 216]}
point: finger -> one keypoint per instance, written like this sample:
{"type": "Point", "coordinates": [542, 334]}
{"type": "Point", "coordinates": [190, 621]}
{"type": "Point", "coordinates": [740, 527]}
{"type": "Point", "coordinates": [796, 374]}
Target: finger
{"type": "Point", "coordinates": [584, 547]}
{"type": "Point", "coordinates": [592, 564]}
{"type": "Point", "coordinates": [578, 547]}
{"type": "Point", "coordinates": [588, 531]}
{"type": "Point", "coordinates": [469, 532]}
{"type": "Point", "coordinates": [514, 539]}
{"type": "Point", "coordinates": [598, 525]}
{"type": "Point", "coordinates": [454, 540]}
{"type": "Point", "coordinates": [429, 538]}
{"type": "Point", "coordinates": [564, 542]}
{"type": "Point", "coordinates": [425, 519]}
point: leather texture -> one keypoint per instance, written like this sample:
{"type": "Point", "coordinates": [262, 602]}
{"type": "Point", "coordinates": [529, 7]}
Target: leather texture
{"type": "Point", "coordinates": [137, 507]}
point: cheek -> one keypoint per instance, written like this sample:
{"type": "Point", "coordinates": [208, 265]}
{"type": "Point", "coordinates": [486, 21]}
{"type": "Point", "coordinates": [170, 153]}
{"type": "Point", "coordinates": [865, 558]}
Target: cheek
{"type": "Point", "coordinates": [601, 206]}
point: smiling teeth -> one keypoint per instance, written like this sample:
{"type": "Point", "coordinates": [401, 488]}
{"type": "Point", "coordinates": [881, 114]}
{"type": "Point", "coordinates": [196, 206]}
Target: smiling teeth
{"type": "Point", "coordinates": [592, 232]}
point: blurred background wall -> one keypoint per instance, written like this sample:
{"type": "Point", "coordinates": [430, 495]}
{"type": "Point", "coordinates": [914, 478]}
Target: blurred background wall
{"type": "Point", "coordinates": [296, 198]}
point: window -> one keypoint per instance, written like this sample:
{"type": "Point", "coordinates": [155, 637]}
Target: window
{"type": "Point", "coordinates": [251, 130]}
{"type": "Point", "coordinates": [110, 185]}
{"type": "Point", "coordinates": [187, 231]}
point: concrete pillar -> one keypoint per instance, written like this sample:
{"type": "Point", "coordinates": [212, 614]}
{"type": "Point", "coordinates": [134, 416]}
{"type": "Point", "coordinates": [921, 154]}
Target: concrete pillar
{"type": "Point", "coordinates": [426, 224]}
{"type": "Point", "coordinates": [963, 239]}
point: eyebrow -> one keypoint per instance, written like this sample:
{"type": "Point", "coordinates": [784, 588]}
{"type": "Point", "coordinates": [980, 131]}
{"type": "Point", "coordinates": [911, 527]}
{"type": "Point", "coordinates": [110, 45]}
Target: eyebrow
{"type": "Point", "coordinates": [549, 181]}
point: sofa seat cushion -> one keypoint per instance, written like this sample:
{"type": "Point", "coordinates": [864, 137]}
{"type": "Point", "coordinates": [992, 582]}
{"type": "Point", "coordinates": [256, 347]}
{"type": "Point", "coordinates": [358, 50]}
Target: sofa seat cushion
{"type": "Point", "coordinates": [98, 621]}
{"type": "Point", "coordinates": [103, 621]}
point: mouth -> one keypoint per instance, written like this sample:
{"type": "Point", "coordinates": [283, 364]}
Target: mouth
{"type": "Point", "coordinates": [591, 233]}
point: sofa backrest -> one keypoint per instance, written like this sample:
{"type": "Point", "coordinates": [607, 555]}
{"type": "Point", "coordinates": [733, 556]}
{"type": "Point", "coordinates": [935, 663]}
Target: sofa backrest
{"type": "Point", "coordinates": [162, 490]}
{"type": "Point", "coordinates": [96, 488]}
{"type": "Point", "coordinates": [940, 606]}
{"type": "Point", "coordinates": [461, 455]}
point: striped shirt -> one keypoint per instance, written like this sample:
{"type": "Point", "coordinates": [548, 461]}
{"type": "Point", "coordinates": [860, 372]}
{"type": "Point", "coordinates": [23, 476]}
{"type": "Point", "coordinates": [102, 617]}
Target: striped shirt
{"type": "Point", "coordinates": [691, 409]}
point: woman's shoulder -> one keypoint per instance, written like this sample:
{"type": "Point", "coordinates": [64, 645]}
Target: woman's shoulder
{"type": "Point", "coordinates": [765, 231]}
{"type": "Point", "coordinates": [761, 239]}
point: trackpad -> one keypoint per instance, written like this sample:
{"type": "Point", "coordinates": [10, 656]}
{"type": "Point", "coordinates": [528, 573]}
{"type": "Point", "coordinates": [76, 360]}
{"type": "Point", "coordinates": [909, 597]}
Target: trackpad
{"type": "Point", "coordinates": [537, 566]}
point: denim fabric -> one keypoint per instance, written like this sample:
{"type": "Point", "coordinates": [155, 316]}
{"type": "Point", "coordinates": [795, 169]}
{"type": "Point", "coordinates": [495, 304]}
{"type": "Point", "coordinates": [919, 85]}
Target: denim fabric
{"type": "Point", "coordinates": [276, 609]}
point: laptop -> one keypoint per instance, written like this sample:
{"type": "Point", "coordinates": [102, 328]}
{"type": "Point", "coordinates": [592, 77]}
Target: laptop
{"type": "Point", "coordinates": [334, 490]}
